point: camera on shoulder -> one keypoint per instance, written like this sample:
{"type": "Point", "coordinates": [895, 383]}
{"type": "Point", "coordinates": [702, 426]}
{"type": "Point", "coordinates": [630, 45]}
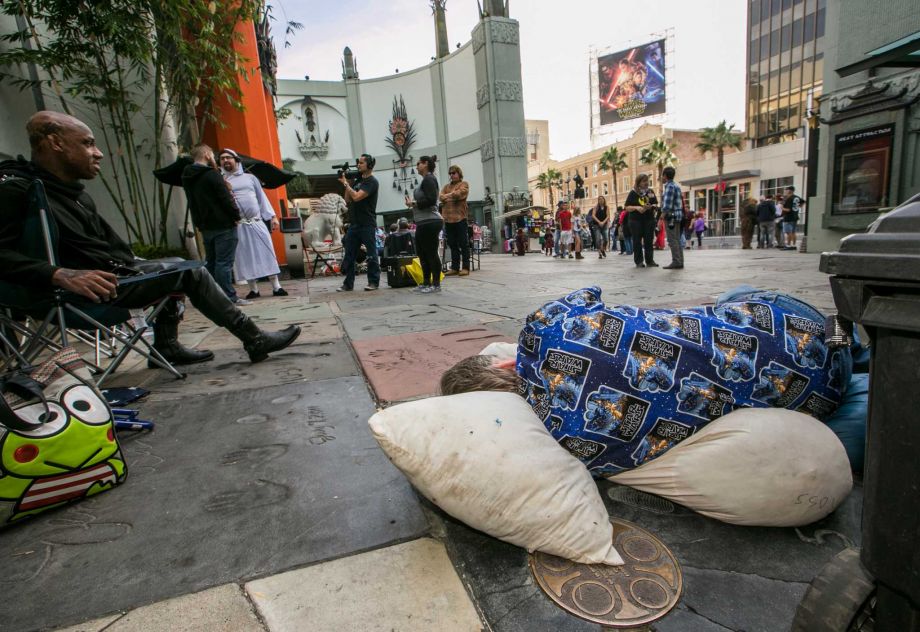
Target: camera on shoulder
{"type": "Point", "coordinates": [345, 169]}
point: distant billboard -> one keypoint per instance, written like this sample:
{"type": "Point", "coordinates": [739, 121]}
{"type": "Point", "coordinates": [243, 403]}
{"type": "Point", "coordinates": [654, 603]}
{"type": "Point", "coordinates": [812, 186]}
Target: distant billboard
{"type": "Point", "coordinates": [631, 83]}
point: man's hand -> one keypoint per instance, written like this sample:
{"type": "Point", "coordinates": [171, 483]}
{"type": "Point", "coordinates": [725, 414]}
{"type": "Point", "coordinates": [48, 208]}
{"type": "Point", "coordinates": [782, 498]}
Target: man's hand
{"type": "Point", "coordinates": [96, 285]}
{"type": "Point", "coordinates": [274, 223]}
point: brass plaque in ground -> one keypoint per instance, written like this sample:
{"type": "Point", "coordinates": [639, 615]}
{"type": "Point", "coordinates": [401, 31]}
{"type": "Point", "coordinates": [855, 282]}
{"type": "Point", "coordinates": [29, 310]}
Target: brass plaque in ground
{"type": "Point", "coordinates": [641, 591]}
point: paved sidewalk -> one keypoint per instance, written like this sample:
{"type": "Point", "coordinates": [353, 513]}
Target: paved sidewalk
{"type": "Point", "coordinates": [261, 501]}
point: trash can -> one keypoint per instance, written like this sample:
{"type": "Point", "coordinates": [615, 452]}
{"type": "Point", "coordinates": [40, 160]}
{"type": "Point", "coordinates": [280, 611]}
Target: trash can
{"type": "Point", "coordinates": [292, 228]}
{"type": "Point", "coordinates": [876, 283]}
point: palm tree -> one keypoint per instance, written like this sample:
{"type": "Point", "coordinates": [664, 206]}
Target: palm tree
{"type": "Point", "coordinates": [659, 154]}
{"type": "Point", "coordinates": [549, 179]}
{"type": "Point", "coordinates": [717, 139]}
{"type": "Point", "coordinates": [615, 161]}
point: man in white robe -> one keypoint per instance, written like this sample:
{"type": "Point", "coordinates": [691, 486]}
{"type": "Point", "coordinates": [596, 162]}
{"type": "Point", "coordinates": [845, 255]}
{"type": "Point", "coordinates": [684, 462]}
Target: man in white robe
{"type": "Point", "coordinates": [255, 257]}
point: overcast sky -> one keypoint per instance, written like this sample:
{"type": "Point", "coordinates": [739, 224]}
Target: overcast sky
{"type": "Point", "coordinates": [707, 67]}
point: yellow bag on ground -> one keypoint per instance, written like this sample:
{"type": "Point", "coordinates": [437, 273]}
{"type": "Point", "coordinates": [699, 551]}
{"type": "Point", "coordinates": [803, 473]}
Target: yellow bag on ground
{"type": "Point", "coordinates": [415, 271]}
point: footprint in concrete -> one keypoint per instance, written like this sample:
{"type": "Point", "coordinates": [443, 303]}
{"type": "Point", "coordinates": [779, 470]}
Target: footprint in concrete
{"type": "Point", "coordinates": [255, 455]}
{"type": "Point", "coordinates": [286, 399]}
{"type": "Point", "coordinates": [259, 493]}
{"type": "Point", "coordinates": [73, 532]}
{"type": "Point", "coordinates": [257, 418]}
{"type": "Point", "coordinates": [23, 564]}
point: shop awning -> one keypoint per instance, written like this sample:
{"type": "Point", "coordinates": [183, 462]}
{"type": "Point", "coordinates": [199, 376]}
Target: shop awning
{"type": "Point", "coordinates": [902, 53]}
{"type": "Point", "coordinates": [728, 177]}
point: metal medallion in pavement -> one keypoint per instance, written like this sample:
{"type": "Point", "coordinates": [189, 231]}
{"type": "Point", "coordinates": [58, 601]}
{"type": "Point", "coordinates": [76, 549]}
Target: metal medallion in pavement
{"type": "Point", "coordinates": [641, 591]}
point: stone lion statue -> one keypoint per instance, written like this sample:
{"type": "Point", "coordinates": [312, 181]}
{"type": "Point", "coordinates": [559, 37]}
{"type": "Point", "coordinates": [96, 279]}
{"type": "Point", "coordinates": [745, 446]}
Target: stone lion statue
{"type": "Point", "coordinates": [326, 221]}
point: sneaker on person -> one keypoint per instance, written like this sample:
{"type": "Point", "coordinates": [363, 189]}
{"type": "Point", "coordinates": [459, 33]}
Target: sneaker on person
{"type": "Point", "coordinates": [279, 292]}
{"type": "Point", "coordinates": [241, 301]}
{"type": "Point", "coordinates": [420, 289]}
{"type": "Point", "coordinates": [371, 287]}
{"type": "Point", "coordinates": [431, 289]}
{"type": "Point", "coordinates": [252, 294]}
{"type": "Point", "coordinates": [344, 288]}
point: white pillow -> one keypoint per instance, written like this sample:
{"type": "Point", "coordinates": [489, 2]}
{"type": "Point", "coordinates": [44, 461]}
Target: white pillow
{"type": "Point", "coordinates": [501, 350]}
{"type": "Point", "coordinates": [486, 459]}
{"type": "Point", "coordinates": [767, 467]}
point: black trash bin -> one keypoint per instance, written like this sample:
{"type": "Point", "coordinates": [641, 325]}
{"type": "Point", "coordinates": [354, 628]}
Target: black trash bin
{"type": "Point", "coordinates": [876, 283]}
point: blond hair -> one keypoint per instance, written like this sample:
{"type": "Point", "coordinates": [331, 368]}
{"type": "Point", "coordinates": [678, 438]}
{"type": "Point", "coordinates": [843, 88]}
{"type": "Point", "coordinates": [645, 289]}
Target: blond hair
{"type": "Point", "coordinates": [477, 373]}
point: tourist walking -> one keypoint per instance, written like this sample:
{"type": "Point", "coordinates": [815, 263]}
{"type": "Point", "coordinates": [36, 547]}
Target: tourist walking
{"type": "Point", "coordinates": [699, 227]}
{"type": "Point", "coordinates": [361, 198]}
{"type": "Point", "coordinates": [578, 227]}
{"type": "Point", "coordinates": [792, 205]}
{"type": "Point", "coordinates": [428, 224]}
{"type": "Point", "coordinates": [600, 219]}
{"type": "Point", "coordinates": [642, 204]}
{"type": "Point", "coordinates": [766, 216]}
{"type": "Point", "coordinates": [455, 211]}
{"type": "Point", "coordinates": [564, 223]}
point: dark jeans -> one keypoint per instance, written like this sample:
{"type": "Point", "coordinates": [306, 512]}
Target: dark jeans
{"type": "Point", "coordinates": [642, 230]}
{"type": "Point", "coordinates": [426, 246]}
{"type": "Point", "coordinates": [220, 251]}
{"type": "Point", "coordinates": [354, 238]}
{"type": "Point", "coordinates": [458, 241]}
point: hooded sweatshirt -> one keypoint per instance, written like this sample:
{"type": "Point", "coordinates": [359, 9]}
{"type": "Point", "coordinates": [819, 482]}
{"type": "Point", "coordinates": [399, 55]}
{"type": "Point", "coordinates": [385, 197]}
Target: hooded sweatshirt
{"type": "Point", "coordinates": [209, 199]}
{"type": "Point", "coordinates": [85, 240]}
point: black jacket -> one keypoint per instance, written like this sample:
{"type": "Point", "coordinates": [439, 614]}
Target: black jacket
{"type": "Point", "coordinates": [766, 211]}
{"type": "Point", "coordinates": [209, 199]}
{"type": "Point", "coordinates": [86, 241]}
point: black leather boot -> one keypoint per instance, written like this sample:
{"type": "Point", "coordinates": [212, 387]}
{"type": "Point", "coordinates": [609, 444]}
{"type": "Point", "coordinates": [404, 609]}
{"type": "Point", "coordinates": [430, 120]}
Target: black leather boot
{"type": "Point", "coordinates": [166, 340]}
{"type": "Point", "coordinates": [259, 343]}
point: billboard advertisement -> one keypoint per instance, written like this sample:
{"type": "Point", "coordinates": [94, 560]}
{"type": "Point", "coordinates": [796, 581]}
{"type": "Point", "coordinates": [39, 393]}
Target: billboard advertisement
{"type": "Point", "coordinates": [631, 83]}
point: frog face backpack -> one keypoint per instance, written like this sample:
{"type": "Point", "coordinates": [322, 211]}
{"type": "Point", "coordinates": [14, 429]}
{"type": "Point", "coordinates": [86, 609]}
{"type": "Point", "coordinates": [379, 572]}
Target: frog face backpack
{"type": "Point", "coordinates": [57, 438]}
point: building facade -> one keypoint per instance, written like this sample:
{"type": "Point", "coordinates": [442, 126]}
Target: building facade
{"type": "Point", "coordinates": [866, 132]}
{"type": "Point", "coordinates": [786, 42]}
{"type": "Point", "coordinates": [466, 107]}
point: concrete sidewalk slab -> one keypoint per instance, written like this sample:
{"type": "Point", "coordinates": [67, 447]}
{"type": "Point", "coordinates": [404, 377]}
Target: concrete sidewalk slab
{"type": "Point", "coordinates": [228, 487]}
{"type": "Point", "coordinates": [231, 370]}
{"type": "Point", "coordinates": [401, 319]}
{"type": "Point", "coordinates": [221, 609]}
{"type": "Point", "coordinates": [408, 366]}
{"type": "Point", "coordinates": [410, 587]}
{"type": "Point", "coordinates": [310, 331]}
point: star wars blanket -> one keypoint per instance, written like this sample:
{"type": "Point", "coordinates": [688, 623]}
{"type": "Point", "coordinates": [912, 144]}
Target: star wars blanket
{"type": "Point", "coordinates": [619, 386]}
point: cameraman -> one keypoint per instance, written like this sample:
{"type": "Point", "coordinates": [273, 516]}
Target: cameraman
{"type": "Point", "coordinates": [642, 206]}
{"type": "Point", "coordinates": [362, 226]}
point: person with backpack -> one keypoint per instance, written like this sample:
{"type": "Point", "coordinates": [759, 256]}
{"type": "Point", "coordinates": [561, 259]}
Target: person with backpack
{"type": "Point", "coordinates": [792, 204]}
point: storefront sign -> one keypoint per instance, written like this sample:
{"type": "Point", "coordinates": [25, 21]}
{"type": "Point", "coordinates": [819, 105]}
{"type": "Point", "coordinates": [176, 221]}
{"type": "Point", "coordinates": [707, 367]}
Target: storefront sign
{"type": "Point", "coordinates": [862, 170]}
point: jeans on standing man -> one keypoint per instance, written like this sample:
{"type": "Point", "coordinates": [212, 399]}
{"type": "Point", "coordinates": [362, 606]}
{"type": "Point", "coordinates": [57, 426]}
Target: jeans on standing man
{"type": "Point", "coordinates": [457, 237]}
{"type": "Point", "coordinates": [220, 252]}
{"type": "Point", "coordinates": [352, 241]}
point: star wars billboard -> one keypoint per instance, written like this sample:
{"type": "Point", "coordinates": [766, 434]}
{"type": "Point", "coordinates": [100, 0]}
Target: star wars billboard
{"type": "Point", "coordinates": [631, 83]}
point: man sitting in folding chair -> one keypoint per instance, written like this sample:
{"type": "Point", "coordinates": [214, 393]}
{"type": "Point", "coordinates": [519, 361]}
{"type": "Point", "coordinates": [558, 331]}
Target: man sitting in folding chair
{"type": "Point", "coordinates": [90, 255]}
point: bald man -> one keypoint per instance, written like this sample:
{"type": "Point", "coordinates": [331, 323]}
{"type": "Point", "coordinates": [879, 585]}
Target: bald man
{"type": "Point", "coordinates": [90, 252]}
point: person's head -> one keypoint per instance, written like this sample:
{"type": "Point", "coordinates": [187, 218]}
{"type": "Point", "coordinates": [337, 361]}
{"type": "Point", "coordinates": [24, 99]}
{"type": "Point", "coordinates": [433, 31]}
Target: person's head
{"type": "Point", "coordinates": [403, 223]}
{"type": "Point", "coordinates": [619, 209]}
{"type": "Point", "coordinates": [203, 154]}
{"type": "Point", "coordinates": [577, 211]}
{"type": "Point", "coordinates": [562, 206]}
{"type": "Point", "coordinates": [668, 173]}
{"type": "Point", "coordinates": [601, 202]}
{"type": "Point", "coordinates": [393, 228]}
{"type": "Point", "coordinates": [641, 182]}
{"type": "Point", "coordinates": [366, 164]}
{"type": "Point", "coordinates": [479, 373]}
{"type": "Point", "coordinates": [768, 196]}
{"type": "Point", "coordinates": [790, 190]}
{"type": "Point", "coordinates": [426, 165]}
{"type": "Point", "coordinates": [455, 173]}
{"type": "Point", "coordinates": [229, 160]}
{"type": "Point", "coordinates": [63, 145]}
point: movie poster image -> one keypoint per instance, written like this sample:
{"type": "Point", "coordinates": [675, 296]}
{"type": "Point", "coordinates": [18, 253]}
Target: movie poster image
{"type": "Point", "coordinates": [703, 398]}
{"type": "Point", "coordinates": [549, 314]}
{"type": "Point", "coordinates": [599, 330]}
{"type": "Point", "coordinates": [805, 342]}
{"type": "Point", "coordinates": [614, 414]}
{"type": "Point", "coordinates": [751, 315]}
{"type": "Point", "coordinates": [779, 386]}
{"type": "Point", "coordinates": [663, 436]}
{"type": "Point", "coordinates": [652, 363]}
{"type": "Point", "coordinates": [734, 355]}
{"type": "Point", "coordinates": [675, 324]}
{"type": "Point", "coordinates": [564, 375]}
{"type": "Point", "coordinates": [631, 83]}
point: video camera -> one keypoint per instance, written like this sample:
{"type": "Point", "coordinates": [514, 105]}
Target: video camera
{"type": "Point", "coordinates": [347, 170]}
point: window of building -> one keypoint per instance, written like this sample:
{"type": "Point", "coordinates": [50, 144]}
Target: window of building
{"type": "Point", "coordinates": [774, 186]}
{"type": "Point", "coordinates": [744, 190]}
{"type": "Point", "coordinates": [627, 183]}
{"type": "Point", "coordinates": [606, 191]}
{"type": "Point", "coordinates": [862, 170]}
{"type": "Point", "coordinates": [586, 171]}
{"type": "Point", "coordinates": [595, 168]}
{"type": "Point", "coordinates": [594, 190]}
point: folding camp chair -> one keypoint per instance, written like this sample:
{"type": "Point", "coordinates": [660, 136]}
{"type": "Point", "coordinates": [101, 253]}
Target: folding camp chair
{"type": "Point", "coordinates": [31, 324]}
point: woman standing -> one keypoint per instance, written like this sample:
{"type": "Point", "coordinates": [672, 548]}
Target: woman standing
{"type": "Point", "coordinates": [578, 225]}
{"type": "Point", "coordinates": [641, 205]}
{"type": "Point", "coordinates": [455, 211]}
{"type": "Point", "coordinates": [600, 216]}
{"type": "Point", "coordinates": [428, 223]}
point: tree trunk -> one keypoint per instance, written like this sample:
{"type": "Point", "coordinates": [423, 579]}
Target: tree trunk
{"type": "Point", "coordinates": [616, 194]}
